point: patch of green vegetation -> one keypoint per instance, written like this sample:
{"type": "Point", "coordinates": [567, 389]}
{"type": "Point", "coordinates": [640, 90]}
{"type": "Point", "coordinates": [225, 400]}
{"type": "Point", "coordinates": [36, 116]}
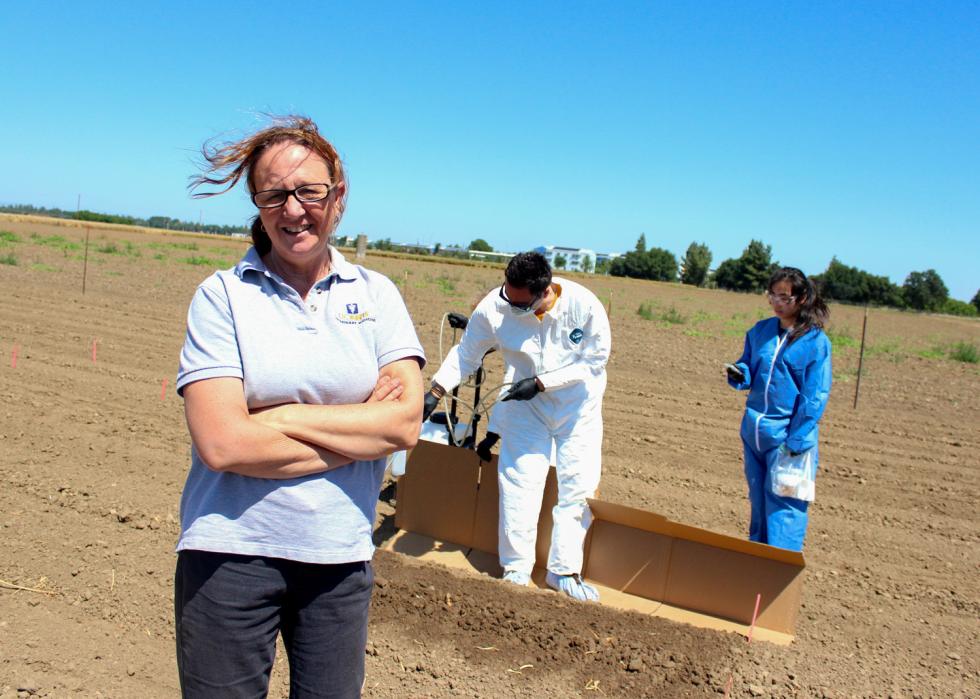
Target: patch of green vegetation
{"type": "Point", "coordinates": [109, 249]}
{"type": "Point", "coordinates": [965, 352]}
{"type": "Point", "coordinates": [172, 246]}
{"type": "Point", "coordinates": [693, 332]}
{"type": "Point", "coordinates": [840, 339]}
{"type": "Point", "coordinates": [201, 261]}
{"type": "Point", "coordinates": [701, 316]}
{"type": "Point", "coordinates": [55, 241]}
{"type": "Point", "coordinates": [8, 259]}
{"type": "Point", "coordinates": [891, 349]}
{"type": "Point", "coordinates": [446, 285]}
{"type": "Point", "coordinates": [159, 256]}
{"type": "Point", "coordinates": [934, 352]}
{"type": "Point", "coordinates": [671, 316]}
{"type": "Point", "coordinates": [9, 237]}
{"type": "Point", "coordinates": [41, 267]}
{"type": "Point", "coordinates": [132, 250]}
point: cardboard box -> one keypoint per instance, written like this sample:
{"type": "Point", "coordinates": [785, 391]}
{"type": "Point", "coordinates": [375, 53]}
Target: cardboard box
{"type": "Point", "coordinates": [447, 509]}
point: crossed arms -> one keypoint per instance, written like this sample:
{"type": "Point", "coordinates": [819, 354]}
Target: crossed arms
{"type": "Point", "coordinates": [292, 440]}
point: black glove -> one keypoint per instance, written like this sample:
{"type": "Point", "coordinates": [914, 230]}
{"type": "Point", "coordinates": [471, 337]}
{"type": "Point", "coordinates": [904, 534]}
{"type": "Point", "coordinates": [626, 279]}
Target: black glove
{"type": "Point", "coordinates": [431, 403]}
{"type": "Point", "coordinates": [457, 320]}
{"type": "Point", "coordinates": [525, 389]}
{"type": "Point", "coordinates": [486, 444]}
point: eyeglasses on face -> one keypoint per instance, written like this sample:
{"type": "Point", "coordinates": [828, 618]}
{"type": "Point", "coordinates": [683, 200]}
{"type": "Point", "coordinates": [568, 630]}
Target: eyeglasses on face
{"type": "Point", "coordinates": [780, 298]}
{"type": "Point", "coordinates": [529, 306]}
{"type": "Point", "coordinates": [307, 193]}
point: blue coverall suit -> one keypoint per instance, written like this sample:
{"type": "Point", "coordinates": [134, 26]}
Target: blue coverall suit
{"type": "Point", "coordinates": [789, 383]}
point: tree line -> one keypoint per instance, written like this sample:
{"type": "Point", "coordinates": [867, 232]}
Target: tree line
{"type": "Point", "coordinates": [164, 222]}
{"type": "Point", "coordinates": [922, 291]}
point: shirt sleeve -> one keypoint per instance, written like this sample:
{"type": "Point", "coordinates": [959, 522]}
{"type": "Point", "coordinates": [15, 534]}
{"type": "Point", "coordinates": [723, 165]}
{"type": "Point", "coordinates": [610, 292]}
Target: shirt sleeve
{"type": "Point", "coordinates": [813, 397]}
{"type": "Point", "coordinates": [743, 363]}
{"type": "Point", "coordinates": [395, 336]}
{"type": "Point", "coordinates": [593, 355]}
{"type": "Point", "coordinates": [466, 357]}
{"type": "Point", "coordinates": [211, 344]}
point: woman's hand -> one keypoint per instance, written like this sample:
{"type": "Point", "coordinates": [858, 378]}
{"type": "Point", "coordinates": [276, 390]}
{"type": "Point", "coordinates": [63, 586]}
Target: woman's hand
{"type": "Point", "coordinates": [387, 388]}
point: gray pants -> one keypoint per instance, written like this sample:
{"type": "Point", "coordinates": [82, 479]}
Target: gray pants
{"type": "Point", "coordinates": [229, 609]}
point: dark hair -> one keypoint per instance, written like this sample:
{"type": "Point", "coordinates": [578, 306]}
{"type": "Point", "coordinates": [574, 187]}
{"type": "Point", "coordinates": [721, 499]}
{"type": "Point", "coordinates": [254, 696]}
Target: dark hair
{"type": "Point", "coordinates": [813, 311]}
{"type": "Point", "coordinates": [529, 270]}
{"type": "Point", "coordinates": [228, 163]}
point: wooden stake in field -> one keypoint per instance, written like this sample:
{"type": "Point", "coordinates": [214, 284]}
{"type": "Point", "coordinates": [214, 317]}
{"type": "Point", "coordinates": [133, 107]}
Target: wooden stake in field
{"type": "Point", "coordinates": [864, 330]}
{"type": "Point", "coordinates": [85, 263]}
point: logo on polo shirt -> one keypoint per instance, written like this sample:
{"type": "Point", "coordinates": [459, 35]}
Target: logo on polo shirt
{"type": "Point", "coordinates": [576, 335]}
{"type": "Point", "coordinates": [353, 315]}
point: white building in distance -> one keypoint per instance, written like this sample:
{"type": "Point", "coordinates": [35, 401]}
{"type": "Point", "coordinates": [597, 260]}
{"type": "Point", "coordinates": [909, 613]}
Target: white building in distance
{"type": "Point", "coordinates": [575, 259]}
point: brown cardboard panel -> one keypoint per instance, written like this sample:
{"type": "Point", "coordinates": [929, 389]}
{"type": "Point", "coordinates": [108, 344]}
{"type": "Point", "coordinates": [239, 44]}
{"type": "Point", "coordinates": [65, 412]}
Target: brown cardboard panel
{"type": "Point", "coordinates": [487, 513]}
{"type": "Point", "coordinates": [629, 516]}
{"type": "Point", "coordinates": [724, 583]}
{"type": "Point", "coordinates": [437, 495]}
{"type": "Point", "coordinates": [641, 558]}
{"type": "Point", "coordinates": [628, 559]}
{"type": "Point", "coordinates": [684, 531]}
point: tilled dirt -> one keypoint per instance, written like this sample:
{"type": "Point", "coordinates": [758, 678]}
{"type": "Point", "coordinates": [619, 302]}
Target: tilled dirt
{"type": "Point", "coordinates": [93, 455]}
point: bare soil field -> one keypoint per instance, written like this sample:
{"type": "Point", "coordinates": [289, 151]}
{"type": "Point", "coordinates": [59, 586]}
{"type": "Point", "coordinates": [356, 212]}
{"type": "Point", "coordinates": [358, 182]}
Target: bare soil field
{"type": "Point", "coordinates": [94, 451]}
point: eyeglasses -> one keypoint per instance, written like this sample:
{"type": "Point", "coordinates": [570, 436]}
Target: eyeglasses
{"type": "Point", "coordinates": [307, 193]}
{"type": "Point", "coordinates": [523, 307]}
{"type": "Point", "coordinates": [780, 298]}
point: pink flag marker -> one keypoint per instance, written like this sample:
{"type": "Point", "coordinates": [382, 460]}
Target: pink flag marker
{"type": "Point", "coordinates": [755, 615]}
{"type": "Point", "coordinates": [95, 344]}
{"type": "Point", "coordinates": [13, 358]}
{"type": "Point", "coordinates": [163, 389]}
{"type": "Point", "coordinates": [728, 687]}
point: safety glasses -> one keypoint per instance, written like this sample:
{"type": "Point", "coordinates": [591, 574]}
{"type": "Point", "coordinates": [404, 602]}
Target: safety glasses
{"type": "Point", "coordinates": [522, 307]}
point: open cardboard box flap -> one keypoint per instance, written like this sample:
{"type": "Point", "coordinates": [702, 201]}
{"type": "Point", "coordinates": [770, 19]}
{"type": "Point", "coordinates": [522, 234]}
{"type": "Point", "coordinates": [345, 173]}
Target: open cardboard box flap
{"type": "Point", "coordinates": [447, 511]}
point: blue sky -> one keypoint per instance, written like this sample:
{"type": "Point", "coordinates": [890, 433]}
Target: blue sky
{"type": "Point", "coordinates": [847, 129]}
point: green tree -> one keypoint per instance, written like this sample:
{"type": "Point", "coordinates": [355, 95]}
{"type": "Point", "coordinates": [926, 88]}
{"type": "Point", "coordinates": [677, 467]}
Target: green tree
{"type": "Point", "coordinates": [976, 300]}
{"type": "Point", "coordinates": [480, 245]}
{"type": "Point", "coordinates": [602, 266]}
{"type": "Point", "coordinates": [695, 265]}
{"type": "Point", "coordinates": [925, 291]}
{"type": "Point", "coordinates": [641, 243]}
{"type": "Point", "coordinates": [586, 264]}
{"type": "Point", "coordinates": [656, 264]}
{"type": "Point", "coordinates": [955, 307]}
{"type": "Point", "coordinates": [750, 271]}
{"type": "Point", "coordinates": [560, 261]}
{"type": "Point", "coordinates": [843, 283]}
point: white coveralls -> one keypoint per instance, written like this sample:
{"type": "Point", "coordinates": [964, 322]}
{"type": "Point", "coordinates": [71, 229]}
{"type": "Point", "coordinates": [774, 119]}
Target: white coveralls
{"type": "Point", "coordinates": [567, 349]}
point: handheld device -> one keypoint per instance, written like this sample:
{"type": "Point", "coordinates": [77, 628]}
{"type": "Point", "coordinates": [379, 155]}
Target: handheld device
{"type": "Point", "coordinates": [734, 373]}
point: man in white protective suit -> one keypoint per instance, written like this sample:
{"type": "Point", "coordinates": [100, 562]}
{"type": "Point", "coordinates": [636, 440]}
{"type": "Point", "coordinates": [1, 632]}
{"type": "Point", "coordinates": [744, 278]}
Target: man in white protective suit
{"type": "Point", "coordinates": [554, 338]}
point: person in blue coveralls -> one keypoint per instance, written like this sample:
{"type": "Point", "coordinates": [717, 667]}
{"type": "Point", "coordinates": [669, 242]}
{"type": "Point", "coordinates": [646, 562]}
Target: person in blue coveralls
{"type": "Point", "coordinates": [786, 367]}
{"type": "Point", "coordinates": [300, 372]}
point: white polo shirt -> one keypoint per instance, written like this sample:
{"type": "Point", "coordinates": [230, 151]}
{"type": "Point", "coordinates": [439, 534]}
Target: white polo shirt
{"type": "Point", "coordinates": [247, 323]}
